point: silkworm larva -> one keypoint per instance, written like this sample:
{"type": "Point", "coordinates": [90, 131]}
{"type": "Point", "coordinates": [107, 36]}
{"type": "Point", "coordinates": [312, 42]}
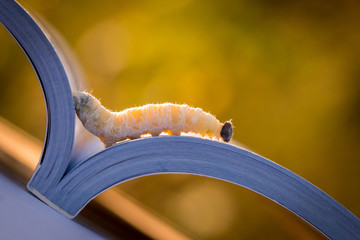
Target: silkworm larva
{"type": "Point", "coordinates": [131, 123]}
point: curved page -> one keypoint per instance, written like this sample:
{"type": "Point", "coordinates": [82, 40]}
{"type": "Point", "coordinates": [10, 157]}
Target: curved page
{"type": "Point", "coordinates": [56, 90]}
{"type": "Point", "coordinates": [188, 155]}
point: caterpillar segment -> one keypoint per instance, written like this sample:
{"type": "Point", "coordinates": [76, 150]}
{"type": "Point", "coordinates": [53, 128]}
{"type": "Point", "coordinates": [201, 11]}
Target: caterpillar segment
{"type": "Point", "coordinates": [112, 127]}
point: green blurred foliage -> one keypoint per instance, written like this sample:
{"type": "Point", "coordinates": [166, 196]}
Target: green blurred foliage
{"type": "Point", "coordinates": [286, 72]}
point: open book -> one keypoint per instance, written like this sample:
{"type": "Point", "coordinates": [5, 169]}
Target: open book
{"type": "Point", "coordinates": [72, 171]}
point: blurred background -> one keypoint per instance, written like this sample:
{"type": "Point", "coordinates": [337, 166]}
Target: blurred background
{"type": "Point", "coordinates": [286, 72]}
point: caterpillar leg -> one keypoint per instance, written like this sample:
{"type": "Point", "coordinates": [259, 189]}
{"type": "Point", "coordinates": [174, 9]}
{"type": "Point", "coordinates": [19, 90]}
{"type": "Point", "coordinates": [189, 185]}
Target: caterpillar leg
{"type": "Point", "coordinates": [155, 133]}
{"type": "Point", "coordinates": [175, 132]}
{"type": "Point", "coordinates": [107, 142]}
{"type": "Point", "coordinates": [134, 136]}
{"type": "Point", "coordinates": [168, 131]}
{"type": "Point", "coordinates": [172, 132]}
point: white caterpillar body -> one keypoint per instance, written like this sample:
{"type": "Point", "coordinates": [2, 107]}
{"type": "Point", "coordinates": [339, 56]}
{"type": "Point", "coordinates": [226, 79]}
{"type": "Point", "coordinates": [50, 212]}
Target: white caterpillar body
{"type": "Point", "coordinates": [112, 127]}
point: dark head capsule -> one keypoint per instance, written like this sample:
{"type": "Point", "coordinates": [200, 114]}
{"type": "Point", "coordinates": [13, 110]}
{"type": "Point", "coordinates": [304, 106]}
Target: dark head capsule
{"type": "Point", "coordinates": [227, 131]}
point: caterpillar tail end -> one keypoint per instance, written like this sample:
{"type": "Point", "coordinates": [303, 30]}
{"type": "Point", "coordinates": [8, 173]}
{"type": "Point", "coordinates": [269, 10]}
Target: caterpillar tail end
{"type": "Point", "coordinates": [227, 131]}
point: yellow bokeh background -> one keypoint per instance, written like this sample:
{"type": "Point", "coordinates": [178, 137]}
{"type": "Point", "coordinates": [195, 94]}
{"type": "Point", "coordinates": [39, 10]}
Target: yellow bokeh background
{"type": "Point", "coordinates": [286, 72]}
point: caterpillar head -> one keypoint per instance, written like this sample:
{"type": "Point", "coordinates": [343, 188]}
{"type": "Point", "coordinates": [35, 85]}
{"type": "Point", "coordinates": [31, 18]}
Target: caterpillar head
{"type": "Point", "coordinates": [226, 131]}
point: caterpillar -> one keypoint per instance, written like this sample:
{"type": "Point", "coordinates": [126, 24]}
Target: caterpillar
{"type": "Point", "coordinates": [112, 127]}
